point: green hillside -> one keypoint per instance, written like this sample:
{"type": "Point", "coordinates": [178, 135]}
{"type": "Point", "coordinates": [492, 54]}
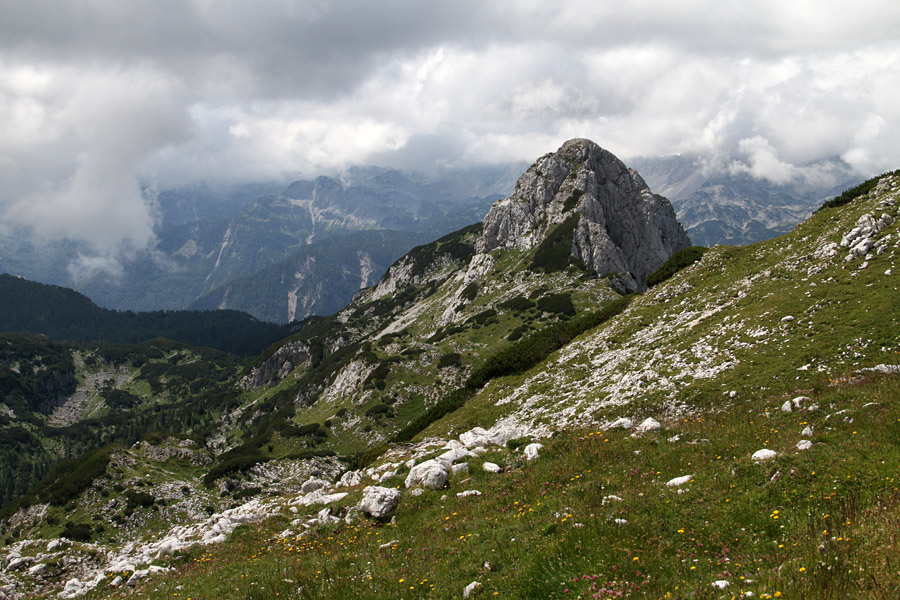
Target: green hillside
{"type": "Point", "coordinates": [651, 410]}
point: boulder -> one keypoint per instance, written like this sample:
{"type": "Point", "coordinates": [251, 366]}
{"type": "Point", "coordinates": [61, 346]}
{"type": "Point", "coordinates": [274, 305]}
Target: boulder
{"type": "Point", "coordinates": [649, 424]}
{"type": "Point", "coordinates": [532, 451]}
{"type": "Point", "coordinates": [461, 468]}
{"type": "Point", "coordinates": [350, 479]}
{"type": "Point", "coordinates": [490, 467]}
{"type": "Point", "coordinates": [379, 502]}
{"type": "Point", "coordinates": [621, 423]}
{"type": "Point", "coordinates": [497, 435]}
{"type": "Point", "coordinates": [312, 484]}
{"type": "Point", "coordinates": [453, 455]}
{"type": "Point", "coordinates": [431, 474]}
{"type": "Point", "coordinates": [763, 455]}
{"type": "Point", "coordinates": [679, 481]}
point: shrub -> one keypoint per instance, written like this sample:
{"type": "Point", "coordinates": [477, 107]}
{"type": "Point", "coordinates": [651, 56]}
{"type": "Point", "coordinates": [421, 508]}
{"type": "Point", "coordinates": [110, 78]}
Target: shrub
{"type": "Point", "coordinates": [450, 359]}
{"type": "Point", "coordinates": [855, 192]}
{"type": "Point", "coordinates": [557, 303]}
{"type": "Point", "coordinates": [517, 304]}
{"type": "Point", "coordinates": [679, 260]}
{"type": "Point", "coordinates": [470, 291]}
{"type": "Point", "coordinates": [135, 499]}
{"type": "Point", "coordinates": [80, 532]}
{"type": "Point", "coordinates": [554, 253]}
{"type": "Point", "coordinates": [379, 410]}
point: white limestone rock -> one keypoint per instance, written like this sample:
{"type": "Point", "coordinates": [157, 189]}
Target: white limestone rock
{"type": "Point", "coordinates": [468, 493]}
{"type": "Point", "coordinates": [312, 484]}
{"type": "Point", "coordinates": [763, 455]}
{"type": "Point", "coordinates": [460, 469]}
{"type": "Point", "coordinates": [497, 435]}
{"type": "Point", "coordinates": [490, 467]}
{"type": "Point", "coordinates": [379, 502]}
{"type": "Point", "coordinates": [431, 474]}
{"type": "Point", "coordinates": [649, 424]}
{"type": "Point", "coordinates": [471, 589]}
{"type": "Point", "coordinates": [804, 445]}
{"type": "Point", "coordinates": [679, 481]}
{"type": "Point", "coordinates": [532, 451]}
{"type": "Point", "coordinates": [621, 423]}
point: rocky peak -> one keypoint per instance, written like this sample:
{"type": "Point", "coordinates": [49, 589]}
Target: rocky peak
{"type": "Point", "coordinates": [622, 228]}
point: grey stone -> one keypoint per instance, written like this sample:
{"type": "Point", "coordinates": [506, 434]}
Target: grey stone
{"type": "Point", "coordinates": [431, 474]}
{"type": "Point", "coordinates": [379, 502]}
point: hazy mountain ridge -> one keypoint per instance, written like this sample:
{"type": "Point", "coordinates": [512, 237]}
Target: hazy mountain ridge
{"type": "Point", "coordinates": [720, 205]}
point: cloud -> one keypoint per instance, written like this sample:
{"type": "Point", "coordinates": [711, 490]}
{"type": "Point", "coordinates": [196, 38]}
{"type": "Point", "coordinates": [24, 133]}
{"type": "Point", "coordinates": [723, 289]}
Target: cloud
{"type": "Point", "coordinates": [77, 141]}
{"type": "Point", "coordinates": [99, 99]}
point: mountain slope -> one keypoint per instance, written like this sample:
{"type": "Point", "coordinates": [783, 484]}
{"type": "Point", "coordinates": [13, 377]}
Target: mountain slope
{"type": "Point", "coordinates": [718, 354]}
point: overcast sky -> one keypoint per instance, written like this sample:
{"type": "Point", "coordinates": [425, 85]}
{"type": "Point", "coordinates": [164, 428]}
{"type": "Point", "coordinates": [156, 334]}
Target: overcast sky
{"type": "Point", "coordinates": [97, 97]}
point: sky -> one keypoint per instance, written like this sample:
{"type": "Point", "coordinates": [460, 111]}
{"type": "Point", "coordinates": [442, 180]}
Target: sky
{"type": "Point", "coordinates": [100, 100]}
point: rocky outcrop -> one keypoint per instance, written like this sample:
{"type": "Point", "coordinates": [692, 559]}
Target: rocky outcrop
{"type": "Point", "coordinates": [275, 368]}
{"type": "Point", "coordinates": [623, 230]}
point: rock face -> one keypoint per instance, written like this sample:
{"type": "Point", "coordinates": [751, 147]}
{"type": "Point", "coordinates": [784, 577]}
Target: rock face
{"type": "Point", "coordinates": [622, 229]}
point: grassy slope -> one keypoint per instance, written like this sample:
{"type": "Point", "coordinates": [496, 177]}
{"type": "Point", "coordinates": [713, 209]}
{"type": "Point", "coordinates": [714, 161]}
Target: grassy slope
{"type": "Point", "coordinates": [816, 523]}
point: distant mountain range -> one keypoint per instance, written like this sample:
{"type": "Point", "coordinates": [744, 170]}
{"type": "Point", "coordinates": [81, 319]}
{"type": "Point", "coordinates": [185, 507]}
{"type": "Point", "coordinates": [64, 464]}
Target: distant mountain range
{"type": "Point", "coordinates": [283, 252]}
{"type": "Point", "coordinates": [717, 206]}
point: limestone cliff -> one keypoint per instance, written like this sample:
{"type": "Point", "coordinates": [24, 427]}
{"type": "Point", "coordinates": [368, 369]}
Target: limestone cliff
{"type": "Point", "coordinates": [623, 230]}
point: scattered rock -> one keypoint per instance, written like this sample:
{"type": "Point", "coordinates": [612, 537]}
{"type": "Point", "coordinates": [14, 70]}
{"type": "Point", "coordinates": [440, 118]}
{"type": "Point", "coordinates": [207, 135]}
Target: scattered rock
{"type": "Point", "coordinates": [621, 423]}
{"type": "Point", "coordinates": [416, 492]}
{"type": "Point", "coordinates": [532, 451]}
{"type": "Point", "coordinates": [763, 455]}
{"type": "Point", "coordinates": [649, 424]}
{"type": "Point", "coordinates": [431, 474]}
{"type": "Point", "coordinates": [787, 318]}
{"type": "Point", "coordinates": [470, 589]}
{"type": "Point", "coordinates": [679, 481]}
{"type": "Point", "coordinates": [137, 576]}
{"type": "Point", "coordinates": [807, 431]}
{"type": "Point", "coordinates": [804, 445]}
{"type": "Point", "coordinates": [312, 484]}
{"type": "Point", "coordinates": [468, 493]}
{"type": "Point", "coordinates": [379, 502]}
{"type": "Point", "coordinates": [490, 467]}
{"type": "Point", "coordinates": [461, 468]}
{"type": "Point", "coordinates": [388, 544]}
{"type": "Point", "coordinates": [497, 435]}
{"type": "Point", "coordinates": [350, 479]}
{"type": "Point", "coordinates": [721, 584]}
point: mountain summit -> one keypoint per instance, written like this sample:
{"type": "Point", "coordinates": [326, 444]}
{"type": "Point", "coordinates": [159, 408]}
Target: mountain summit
{"type": "Point", "coordinates": [619, 227]}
